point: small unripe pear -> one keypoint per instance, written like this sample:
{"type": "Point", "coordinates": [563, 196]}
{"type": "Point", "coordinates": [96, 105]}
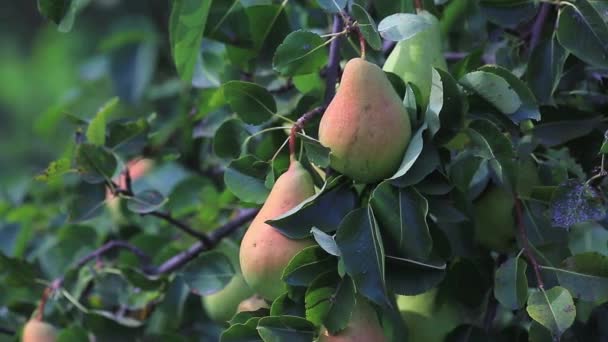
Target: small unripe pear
{"type": "Point", "coordinates": [494, 222]}
{"type": "Point", "coordinates": [222, 305]}
{"type": "Point", "coordinates": [414, 58]}
{"type": "Point", "coordinates": [362, 327]}
{"type": "Point", "coordinates": [38, 331]}
{"type": "Point", "coordinates": [366, 125]}
{"type": "Point", "coordinates": [264, 250]}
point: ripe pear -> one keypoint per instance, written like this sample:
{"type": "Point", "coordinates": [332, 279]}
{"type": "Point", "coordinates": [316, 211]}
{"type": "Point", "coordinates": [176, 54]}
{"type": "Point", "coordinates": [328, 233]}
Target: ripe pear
{"type": "Point", "coordinates": [362, 327]}
{"type": "Point", "coordinates": [413, 59]}
{"type": "Point", "coordinates": [38, 331]}
{"type": "Point", "coordinates": [252, 303]}
{"type": "Point", "coordinates": [426, 319]}
{"type": "Point", "coordinates": [494, 222]}
{"type": "Point", "coordinates": [366, 125]}
{"type": "Point", "coordinates": [264, 250]}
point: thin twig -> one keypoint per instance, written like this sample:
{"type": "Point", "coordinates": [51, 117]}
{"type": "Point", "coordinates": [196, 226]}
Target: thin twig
{"type": "Point", "coordinates": [182, 226]}
{"type": "Point", "coordinates": [7, 331]}
{"type": "Point", "coordinates": [526, 244]}
{"type": "Point", "coordinates": [361, 42]}
{"type": "Point", "coordinates": [419, 6]}
{"type": "Point", "coordinates": [298, 126]}
{"type": "Point", "coordinates": [334, 61]}
{"type": "Point", "coordinates": [114, 244]}
{"type": "Point", "coordinates": [215, 237]}
{"type": "Point", "coordinates": [539, 22]}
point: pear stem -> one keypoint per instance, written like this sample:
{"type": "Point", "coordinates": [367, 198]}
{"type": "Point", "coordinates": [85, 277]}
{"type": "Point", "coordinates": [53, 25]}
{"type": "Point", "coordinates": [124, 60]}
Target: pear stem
{"type": "Point", "coordinates": [299, 126]}
{"type": "Point", "coordinates": [361, 42]}
{"type": "Point", "coordinates": [419, 6]}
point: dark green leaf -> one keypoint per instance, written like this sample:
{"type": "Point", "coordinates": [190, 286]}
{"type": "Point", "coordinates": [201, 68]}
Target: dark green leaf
{"type": "Point", "coordinates": [367, 25]}
{"type": "Point", "coordinates": [95, 163]}
{"type": "Point", "coordinates": [208, 273]}
{"type": "Point", "coordinates": [305, 266]}
{"type": "Point", "coordinates": [245, 176]}
{"type": "Point", "coordinates": [252, 103]}
{"type": "Point", "coordinates": [285, 328]}
{"type": "Point", "coordinates": [511, 284]}
{"type": "Point", "coordinates": [186, 26]}
{"type": "Point", "coordinates": [554, 309]}
{"type": "Point", "coordinates": [301, 52]}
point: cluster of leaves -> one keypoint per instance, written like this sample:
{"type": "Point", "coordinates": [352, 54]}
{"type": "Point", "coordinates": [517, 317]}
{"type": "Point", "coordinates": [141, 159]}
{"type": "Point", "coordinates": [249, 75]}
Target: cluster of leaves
{"type": "Point", "coordinates": [521, 112]}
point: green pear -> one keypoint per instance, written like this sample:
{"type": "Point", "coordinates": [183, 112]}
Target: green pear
{"type": "Point", "coordinates": [265, 252]}
{"type": "Point", "coordinates": [222, 305]}
{"type": "Point", "coordinates": [413, 59]}
{"type": "Point", "coordinates": [426, 319]}
{"type": "Point", "coordinates": [494, 222]}
{"type": "Point", "coordinates": [363, 326]}
{"type": "Point", "coordinates": [366, 125]}
{"type": "Point", "coordinates": [38, 331]}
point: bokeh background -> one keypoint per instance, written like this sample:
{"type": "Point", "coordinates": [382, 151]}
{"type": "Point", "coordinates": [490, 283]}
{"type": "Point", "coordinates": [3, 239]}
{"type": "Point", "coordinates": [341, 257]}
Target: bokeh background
{"type": "Point", "coordinates": [50, 79]}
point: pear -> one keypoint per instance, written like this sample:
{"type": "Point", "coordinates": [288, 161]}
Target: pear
{"type": "Point", "coordinates": [264, 250]}
{"type": "Point", "coordinates": [494, 222]}
{"type": "Point", "coordinates": [427, 319]}
{"type": "Point", "coordinates": [222, 305]}
{"type": "Point", "coordinates": [38, 331]}
{"type": "Point", "coordinates": [413, 59]}
{"type": "Point", "coordinates": [138, 168]}
{"type": "Point", "coordinates": [366, 125]}
{"type": "Point", "coordinates": [363, 326]}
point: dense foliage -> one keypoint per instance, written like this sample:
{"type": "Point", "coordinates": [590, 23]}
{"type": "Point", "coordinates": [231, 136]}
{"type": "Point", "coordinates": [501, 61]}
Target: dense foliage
{"type": "Point", "coordinates": [491, 224]}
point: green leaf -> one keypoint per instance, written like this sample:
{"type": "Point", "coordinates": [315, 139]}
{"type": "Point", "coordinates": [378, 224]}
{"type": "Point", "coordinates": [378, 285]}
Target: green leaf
{"type": "Point", "coordinates": [305, 266]}
{"type": "Point", "coordinates": [452, 110]}
{"type": "Point", "coordinates": [146, 202]}
{"type": "Point", "coordinates": [508, 13]}
{"type": "Point", "coordinates": [332, 6]}
{"type": "Point", "coordinates": [96, 132]}
{"type": "Point", "coordinates": [208, 273]}
{"type": "Point", "coordinates": [360, 244]}
{"type": "Point", "coordinates": [545, 69]}
{"type": "Point", "coordinates": [55, 170]}
{"type": "Point", "coordinates": [402, 26]}
{"type": "Point", "coordinates": [120, 133]}
{"type": "Point", "coordinates": [302, 52]}
{"type": "Point", "coordinates": [285, 328]}
{"type": "Point", "coordinates": [186, 27]}
{"type": "Point", "coordinates": [326, 241]}
{"type": "Point", "coordinates": [315, 152]}
{"type": "Point", "coordinates": [242, 332]}
{"type": "Point", "coordinates": [411, 277]}
{"type": "Point", "coordinates": [584, 275]}
{"type": "Point", "coordinates": [95, 163]}
{"type": "Point", "coordinates": [245, 177]}
{"type": "Point", "coordinates": [252, 103]}
{"type": "Point", "coordinates": [494, 89]}
{"type": "Point", "coordinates": [511, 284]}
{"type": "Point", "coordinates": [583, 32]}
{"type": "Point", "coordinates": [412, 153]}
{"type": "Point", "coordinates": [17, 272]}
{"type": "Point", "coordinates": [88, 202]}
{"type": "Point", "coordinates": [324, 211]}
{"type": "Point", "coordinates": [330, 301]}
{"type": "Point", "coordinates": [529, 106]}
{"type": "Point", "coordinates": [553, 309]}
{"type": "Point", "coordinates": [228, 139]}
{"type": "Point", "coordinates": [73, 334]}
{"type": "Point", "coordinates": [401, 214]}
{"type": "Point", "coordinates": [367, 26]}
{"type": "Point", "coordinates": [62, 12]}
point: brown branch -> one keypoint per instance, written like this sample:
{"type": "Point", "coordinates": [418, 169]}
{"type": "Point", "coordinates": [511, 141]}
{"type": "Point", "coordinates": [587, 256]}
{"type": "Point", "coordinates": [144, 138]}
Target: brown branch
{"type": "Point", "coordinates": [419, 6]}
{"type": "Point", "coordinates": [215, 237]}
{"type": "Point", "coordinates": [182, 226]}
{"type": "Point", "coordinates": [361, 42]}
{"type": "Point", "coordinates": [526, 243]}
{"type": "Point", "coordinates": [299, 126]}
{"type": "Point", "coordinates": [539, 22]}
{"type": "Point", "coordinates": [334, 61]}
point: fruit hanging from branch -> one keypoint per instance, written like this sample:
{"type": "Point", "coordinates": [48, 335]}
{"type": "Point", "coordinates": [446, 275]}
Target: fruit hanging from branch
{"type": "Point", "coordinates": [366, 125]}
{"type": "Point", "coordinates": [264, 250]}
{"type": "Point", "coordinates": [36, 330]}
{"type": "Point", "coordinates": [363, 326]}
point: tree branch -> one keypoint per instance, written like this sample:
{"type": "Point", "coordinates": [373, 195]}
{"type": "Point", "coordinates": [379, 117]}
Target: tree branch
{"type": "Point", "coordinates": [215, 237]}
{"type": "Point", "coordinates": [334, 60]}
{"type": "Point", "coordinates": [537, 28]}
{"type": "Point", "coordinates": [182, 226]}
{"type": "Point", "coordinates": [7, 331]}
{"type": "Point", "coordinates": [114, 244]}
{"type": "Point", "coordinates": [526, 243]}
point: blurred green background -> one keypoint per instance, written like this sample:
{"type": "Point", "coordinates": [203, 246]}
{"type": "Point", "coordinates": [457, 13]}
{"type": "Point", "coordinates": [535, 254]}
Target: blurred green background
{"type": "Point", "coordinates": [46, 74]}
